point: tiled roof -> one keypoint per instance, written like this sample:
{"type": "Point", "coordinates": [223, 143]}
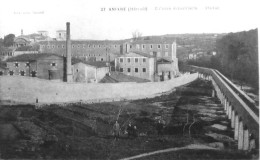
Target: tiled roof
{"type": "Point", "coordinates": [29, 57]}
{"type": "Point", "coordinates": [115, 77]}
{"type": "Point", "coordinates": [136, 52]}
{"type": "Point", "coordinates": [163, 60]}
{"type": "Point", "coordinates": [97, 64]}
{"type": "Point", "coordinates": [153, 41]}
{"type": "Point", "coordinates": [28, 48]}
{"type": "Point", "coordinates": [76, 42]}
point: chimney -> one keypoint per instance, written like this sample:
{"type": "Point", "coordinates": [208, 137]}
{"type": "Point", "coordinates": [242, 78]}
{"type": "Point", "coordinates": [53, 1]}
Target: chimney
{"type": "Point", "coordinates": [21, 32]}
{"type": "Point", "coordinates": [68, 53]}
{"type": "Point", "coordinates": [174, 51]}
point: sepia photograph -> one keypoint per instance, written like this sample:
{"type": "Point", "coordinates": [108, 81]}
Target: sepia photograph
{"type": "Point", "coordinates": [129, 80]}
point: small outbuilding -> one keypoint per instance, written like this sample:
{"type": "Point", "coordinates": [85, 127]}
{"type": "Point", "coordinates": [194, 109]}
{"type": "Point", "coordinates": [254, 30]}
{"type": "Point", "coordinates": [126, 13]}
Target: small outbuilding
{"type": "Point", "coordinates": [88, 72]}
{"type": "Point", "coordinates": [41, 65]}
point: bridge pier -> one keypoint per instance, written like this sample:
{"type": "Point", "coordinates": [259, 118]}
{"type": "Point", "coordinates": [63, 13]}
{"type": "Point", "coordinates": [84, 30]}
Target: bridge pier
{"type": "Point", "coordinates": [246, 140]}
{"type": "Point", "coordinates": [240, 135]}
{"type": "Point", "coordinates": [236, 127]}
{"type": "Point", "coordinates": [233, 118]}
{"type": "Point", "coordinates": [229, 111]}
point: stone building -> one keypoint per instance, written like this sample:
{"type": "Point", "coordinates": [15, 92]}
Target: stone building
{"type": "Point", "coordinates": [61, 35]}
{"type": "Point", "coordinates": [88, 72]}
{"type": "Point", "coordinates": [84, 49]}
{"type": "Point", "coordinates": [44, 66]}
{"type": "Point", "coordinates": [136, 64]}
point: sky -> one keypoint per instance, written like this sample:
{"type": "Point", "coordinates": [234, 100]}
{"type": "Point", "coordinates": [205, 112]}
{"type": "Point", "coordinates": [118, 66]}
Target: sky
{"type": "Point", "coordinates": [94, 19]}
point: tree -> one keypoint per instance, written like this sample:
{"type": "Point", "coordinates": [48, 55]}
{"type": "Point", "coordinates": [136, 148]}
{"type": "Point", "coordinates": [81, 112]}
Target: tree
{"type": "Point", "coordinates": [136, 35]}
{"type": "Point", "coordinates": [9, 40]}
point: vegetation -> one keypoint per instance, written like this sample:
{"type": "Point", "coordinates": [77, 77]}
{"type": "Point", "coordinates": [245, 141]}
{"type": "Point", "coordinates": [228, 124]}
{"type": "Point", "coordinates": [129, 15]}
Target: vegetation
{"type": "Point", "coordinates": [8, 40]}
{"type": "Point", "coordinates": [237, 57]}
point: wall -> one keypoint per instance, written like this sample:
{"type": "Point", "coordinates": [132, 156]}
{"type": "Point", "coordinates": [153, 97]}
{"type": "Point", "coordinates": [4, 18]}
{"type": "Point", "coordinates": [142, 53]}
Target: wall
{"type": "Point", "coordinates": [27, 89]}
{"type": "Point", "coordinates": [79, 72]}
{"type": "Point", "coordinates": [44, 65]}
{"type": "Point", "coordinates": [132, 65]}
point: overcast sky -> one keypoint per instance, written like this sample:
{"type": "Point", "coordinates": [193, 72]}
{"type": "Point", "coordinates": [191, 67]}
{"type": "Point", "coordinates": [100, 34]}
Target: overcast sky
{"type": "Point", "coordinates": [89, 22]}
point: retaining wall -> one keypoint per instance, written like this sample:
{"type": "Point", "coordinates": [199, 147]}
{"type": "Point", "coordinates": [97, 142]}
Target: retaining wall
{"type": "Point", "coordinates": [28, 89]}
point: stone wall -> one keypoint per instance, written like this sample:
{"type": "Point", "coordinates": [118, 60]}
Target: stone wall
{"type": "Point", "coordinates": [28, 89]}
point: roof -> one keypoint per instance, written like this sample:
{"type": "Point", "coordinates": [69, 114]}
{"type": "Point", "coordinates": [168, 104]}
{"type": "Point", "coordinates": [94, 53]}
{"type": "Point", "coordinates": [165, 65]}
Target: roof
{"type": "Point", "coordinates": [131, 53]}
{"type": "Point", "coordinates": [97, 64]}
{"type": "Point", "coordinates": [163, 61]}
{"type": "Point", "coordinates": [86, 42]}
{"type": "Point", "coordinates": [116, 77]}
{"type": "Point", "coordinates": [61, 30]}
{"type": "Point", "coordinates": [29, 57]}
{"type": "Point", "coordinates": [28, 48]}
{"type": "Point", "coordinates": [153, 40]}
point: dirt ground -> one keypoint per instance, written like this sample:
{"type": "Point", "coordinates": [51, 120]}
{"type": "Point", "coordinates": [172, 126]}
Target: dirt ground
{"type": "Point", "coordinates": [85, 131]}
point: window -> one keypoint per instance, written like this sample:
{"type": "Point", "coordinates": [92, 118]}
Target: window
{"type": "Point", "coordinates": [102, 59]}
{"type": "Point", "coordinates": [48, 46]}
{"type": "Point", "coordinates": [121, 69]}
{"type": "Point", "coordinates": [121, 60]}
{"type": "Point", "coordinates": [89, 46]}
{"type": "Point", "coordinates": [58, 46]}
{"type": "Point", "coordinates": [94, 46]}
{"type": "Point", "coordinates": [151, 46]}
{"type": "Point", "coordinates": [159, 54]}
{"type": "Point", "coordinates": [99, 46]}
{"type": "Point", "coordinates": [77, 70]}
{"type": "Point", "coordinates": [1, 73]}
{"type": "Point", "coordinates": [144, 60]}
{"type": "Point", "coordinates": [78, 46]}
{"type": "Point", "coordinates": [73, 46]}
{"type": "Point", "coordinates": [115, 46]}
{"type": "Point", "coordinates": [16, 64]}
{"type": "Point", "coordinates": [137, 46]}
{"type": "Point", "coordinates": [22, 73]}
{"type": "Point", "coordinates": [53, 64]}
{"type": "Point", "coordinates": [33, 73]}
{"type": "Point", "coordinates": [144, 69]}
{"type": "Point", "coordinates": [11, 73]}
{"type": "Point", "coordinates": [130, 46]}
{"type": "Point", "coordinates": [143, 46]}
{"type": "Point", "coordinates": [166, 54]}
{"type": "Point", "coordinates": [53, 46]}
{"type": "Point", "coordinates": [128, 69]}
{"type": "Point", "coordinates": [27, 64]}
{"type": "Point", "coordinates": [158, 46]}
{"type": "Point", "coordinates": [136, 60]}
{"type": "Point", "coordinates": [128, 60]}
{"type": "Point", "coordinates": [166, 46]}
{"type": "Point", "coordinates": [136, 70]}
{"type": "Point", "coordinates": [62, 46]}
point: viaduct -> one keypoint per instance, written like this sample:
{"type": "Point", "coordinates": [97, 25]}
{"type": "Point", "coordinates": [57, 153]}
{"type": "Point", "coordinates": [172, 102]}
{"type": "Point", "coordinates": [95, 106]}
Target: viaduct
{"type": "Point", "coordinates": [240, 108]}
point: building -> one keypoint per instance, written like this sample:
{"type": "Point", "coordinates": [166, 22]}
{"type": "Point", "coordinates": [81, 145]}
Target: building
{"type": "Point", "coordinates": [84, 49]}
{"type": "Point", "coordinates": [61, 35]}
{"type": "Point", "coordinates": [166, 69]}
{"type": "Point", "coordinates": [30, 39]}
{"type": "Point", "coordinates": [136, 64]}
{"type": "Point", "coordinates": [89, 72]}
{"type": "Point", "coordinates": [6, 52]}
{"type": "Point", "coordinates": [44, 66]}
{"type": "Point", "coordinates": [2, 70]}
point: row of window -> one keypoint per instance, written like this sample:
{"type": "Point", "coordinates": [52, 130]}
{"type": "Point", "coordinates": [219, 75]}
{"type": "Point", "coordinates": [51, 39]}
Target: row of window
{"type": "Point", "coordinates": [136, 60]}
{"type": "Point", "coordinates": [136, 70]}
{"type": "Point", "coordinates": [151, 46]}
{"type": "Point", "coordinates": [7, 53]}
{"type": "Point", "coordinates": [22, 73]}
{"type": "Point", "coordinates": [27, 64]}
{"type": "Point", "coordinates": [78, 46]}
